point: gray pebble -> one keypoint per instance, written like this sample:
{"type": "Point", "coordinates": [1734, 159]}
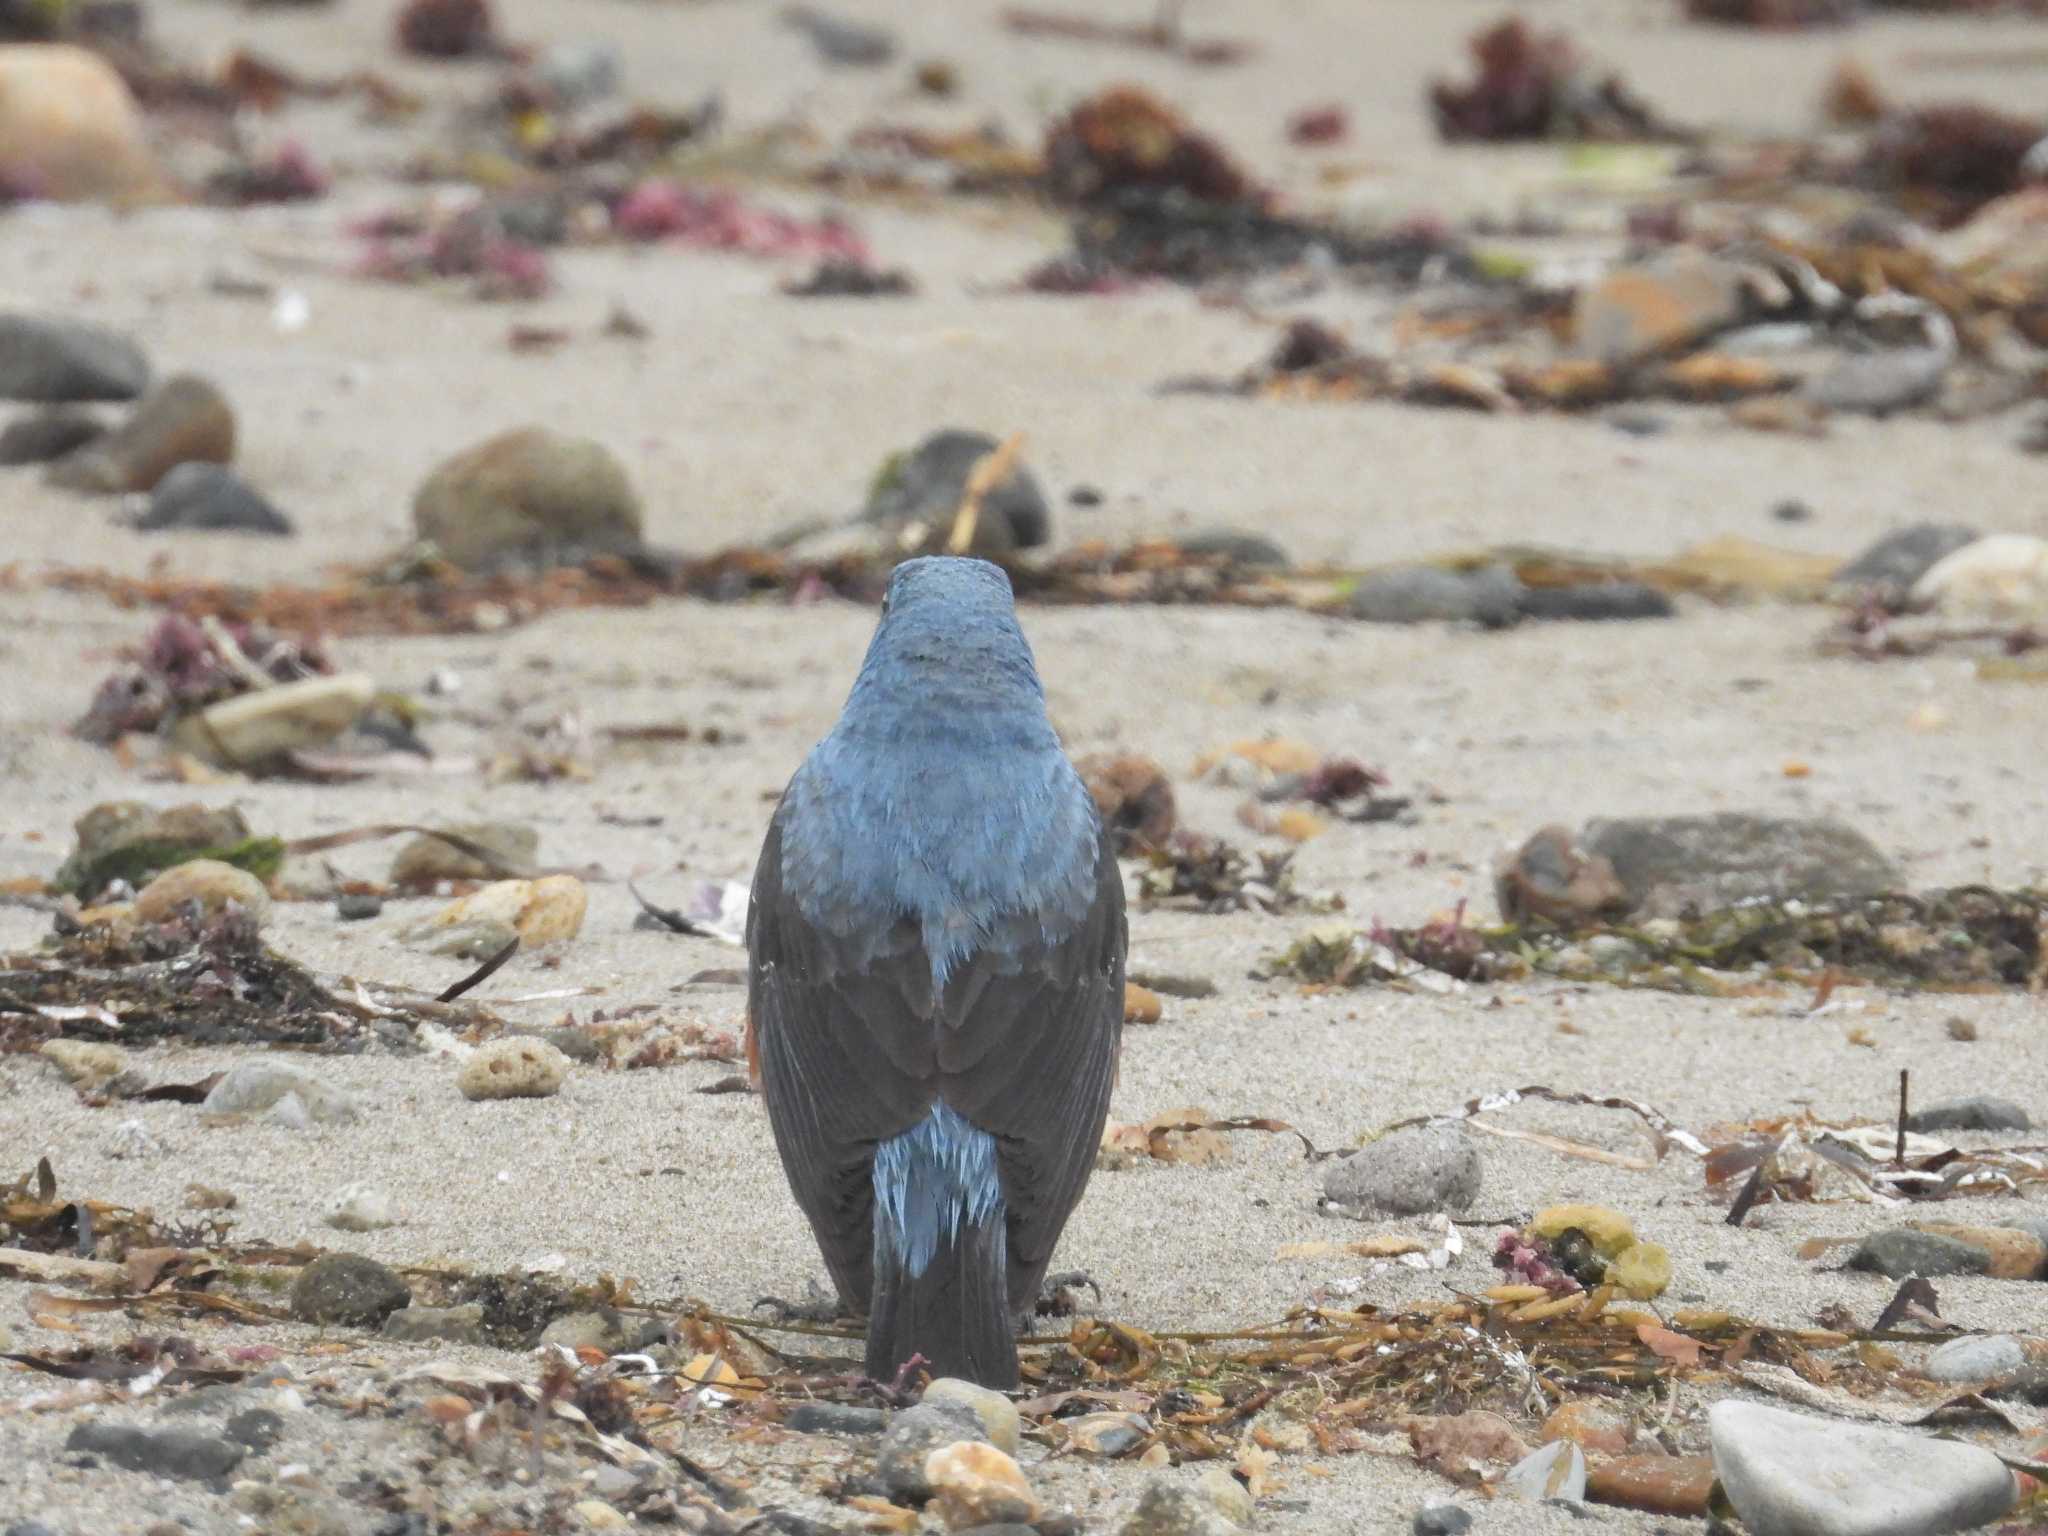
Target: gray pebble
{"type": "Point", "coordinates": [1595, 602]}
{"type": "Point", "coordinates": [44, 358]}
{"type": "Point", "coordinates": [913, 1435]}
{"type": "Point", "coordinates": [1251, 549]}
{"type": "Point", "coordinates": [355, 907]}
{"type": "Point", "coordinates": [187, 1453]}
{"type": "Point", "coordinates": [1891, 565]}
{"type": "Point", "coordinates": [1171, 1508]}
{"type": "Point", "coordinates": [1985, 1358]}
{"type": "Point", "coordinates": [1879, 383]}
{"type": "Point", "coordinates": [209, 498]}
{"type": "Point", "coordinates": [1410, 1172]}
{"type": "Point", "coordinates": [1442, 1520]}
{"type": "Point", "coordinates": [348, 1288]}
{"type": "Point", "coordinates": [45, 435]}
{"type": "Point", "coordinates": [1791, 1473]}
{"type": "Point", "coordinates": [1903, 1252]}
{"type": "Point", "coordinates": [1424, 594]}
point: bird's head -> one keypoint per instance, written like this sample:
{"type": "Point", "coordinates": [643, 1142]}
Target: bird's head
{"type": "Point", "coordinates": [948, 640]}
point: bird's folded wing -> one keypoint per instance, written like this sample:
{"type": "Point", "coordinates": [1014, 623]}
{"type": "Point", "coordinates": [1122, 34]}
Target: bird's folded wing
{"type": "Point", "coordinates": [1033, 1025]}
{"type": "Point", "coordinates": [853, 1049]}
{"type": "Point", "coordinates": [836, 1031]}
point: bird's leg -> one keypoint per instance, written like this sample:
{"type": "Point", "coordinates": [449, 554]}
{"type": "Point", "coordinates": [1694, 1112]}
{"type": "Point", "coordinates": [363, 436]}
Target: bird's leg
{"type": "Point", "coordinates": [1059, 1294]}
{"type": "Point", "coordinates": [818, 1306]}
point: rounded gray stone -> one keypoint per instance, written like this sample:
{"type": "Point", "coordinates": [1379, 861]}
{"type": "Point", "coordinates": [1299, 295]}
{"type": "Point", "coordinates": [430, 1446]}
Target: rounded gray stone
{"type": "Point", "coordinates": [1790, 1474]}
{"type": "Point", "coordinates": [348, 1288]}
{"type": "Point", "coordinates": [1986, 1358]}
{"type": "Point", "coordinates": [1170, 1508]}
{"type": "Point", "coordinates": [913, 1435]}
{"type": "Point", "coordinates": [1902, 1252]}
{"type": "Point", "coordinates": [45, 358]}
{"type": "Point", "coordinates": [181, 1453]}
{"type": "Point", "coordinates": [1412, 1172]}
{"type": "Point", "coordinates": [1424, 594]}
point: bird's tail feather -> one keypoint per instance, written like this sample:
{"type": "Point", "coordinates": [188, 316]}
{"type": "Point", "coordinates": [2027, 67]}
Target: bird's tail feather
{"type": "Point", "coordinates": [955, 1312]}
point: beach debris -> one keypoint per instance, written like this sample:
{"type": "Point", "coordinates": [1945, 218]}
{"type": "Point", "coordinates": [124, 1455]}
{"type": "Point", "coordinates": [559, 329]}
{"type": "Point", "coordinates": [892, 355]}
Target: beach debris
{"type": "Point", "coordinates": [954, 480]}
{"type": "Point", "coordinates": [1433, 1167]}
{"type": "Point", "coordinates": [1553, 1471]}
{"type": "Point", "coordinates": [839, 277]}
{"type": "Point", "coordinates": [52, 359]}
{"type": "Point", "coordinates": [1134, 797]}
{"type": "Point", "coordinates": [263, 1087]}
{"type": "Point", "coordinates": [516, 1068]}
{"type": "Point", "coordinates": [262, 729]}
{"type": "Point", "coordinates": [1318, 126]}
{"type": "Point", "coordinates": [717, 910]}
{"type": "Point", "coordinates": [1141, 1004]}
{"type": "Point", "coordinates": [1186, 1135]}
{"type": "Point", "coordinates": [1126, 140]}
{"type": "Point", "coordinates": [528, 495]}
{"type": "Point", "coordinates": [185, 666]}
{"type": "Point", "coordinates": [127, 842]}
{"type": "Point", "coordinates": [184, 419]}
{"type": "Point", "coordinates": [1776, 15]}
{"type": "Point", "coordinates": [1530, 85]}
{"type": "Point", "coordinates": [718, 219]}
{"type": "Point", "coordinates": [1208, 874]}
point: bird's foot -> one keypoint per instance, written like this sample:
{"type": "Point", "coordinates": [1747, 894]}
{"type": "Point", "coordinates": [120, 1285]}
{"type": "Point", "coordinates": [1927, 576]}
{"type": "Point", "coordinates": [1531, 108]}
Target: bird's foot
{"type": "Point", "coordinates": [818, 1306]}
{"type": "Point", "coordinates": [1059, 1295]}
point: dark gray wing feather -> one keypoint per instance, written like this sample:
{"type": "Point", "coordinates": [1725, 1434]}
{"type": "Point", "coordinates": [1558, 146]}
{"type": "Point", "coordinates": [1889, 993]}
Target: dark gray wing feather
{"type": "Point", "coordinates": [852, 1049]}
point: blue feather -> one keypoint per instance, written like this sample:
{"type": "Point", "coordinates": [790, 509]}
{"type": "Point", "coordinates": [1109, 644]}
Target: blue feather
{"type": "Point", "coordinates": [929, 1181]}
{"type": "Point", "coordinates": [943, 793]}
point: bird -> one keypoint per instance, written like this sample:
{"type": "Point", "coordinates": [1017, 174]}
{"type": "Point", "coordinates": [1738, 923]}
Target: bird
{"type": "Point", "coordinates": [936, 940]}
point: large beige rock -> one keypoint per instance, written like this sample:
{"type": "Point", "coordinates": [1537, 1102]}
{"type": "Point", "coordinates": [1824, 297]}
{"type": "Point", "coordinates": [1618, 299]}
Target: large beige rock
{"type": "Point", "coordinates": [69, 129]}
{"type": "Point", "coordinates": [528, 493]}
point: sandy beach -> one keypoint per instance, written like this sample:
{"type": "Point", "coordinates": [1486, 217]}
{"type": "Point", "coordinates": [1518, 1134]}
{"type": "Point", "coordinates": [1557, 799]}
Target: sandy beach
{"type": "Point", "coordinates": [741, 411]}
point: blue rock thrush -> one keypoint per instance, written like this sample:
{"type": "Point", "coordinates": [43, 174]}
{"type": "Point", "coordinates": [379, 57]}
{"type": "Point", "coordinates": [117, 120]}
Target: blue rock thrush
{"type": "Point", "coordinates": [935, 994]}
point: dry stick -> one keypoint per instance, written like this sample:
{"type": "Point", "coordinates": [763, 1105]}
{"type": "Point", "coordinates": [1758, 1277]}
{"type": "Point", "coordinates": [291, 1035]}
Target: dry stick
{"type": "Point", "coordinates": [1899, 1156]}
{"type": "Point", "coordinates": [482, 973]}
{"type": "Point", "coordinates": [989, 471]}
